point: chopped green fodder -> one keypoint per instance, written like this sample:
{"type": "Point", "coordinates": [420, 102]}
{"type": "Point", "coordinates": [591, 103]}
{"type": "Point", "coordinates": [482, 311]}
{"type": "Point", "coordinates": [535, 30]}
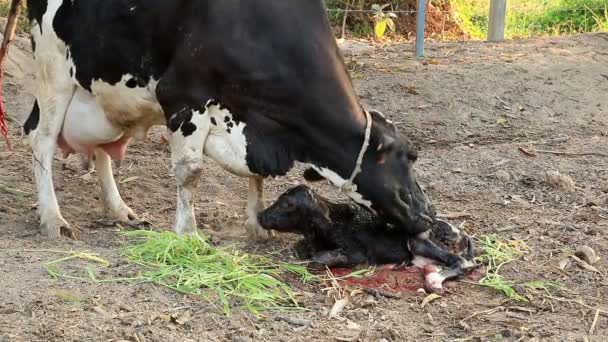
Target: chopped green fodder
{"type": "Point", "coordinates": [496, 254]}
{"type": "Point", "coordinates": [190, 265]}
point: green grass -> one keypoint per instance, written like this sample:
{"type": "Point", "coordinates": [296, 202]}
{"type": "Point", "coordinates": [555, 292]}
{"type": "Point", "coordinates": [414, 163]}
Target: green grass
{"type": "Point", "coordinates": [192, 266]}
{"type": "Point", "coordinates": [497, 253]}
{"type": "Point", "coordinates": [536, 17]}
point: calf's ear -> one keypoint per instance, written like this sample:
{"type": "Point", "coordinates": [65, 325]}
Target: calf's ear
{"type": "Point", "coordinates": [311, 175]}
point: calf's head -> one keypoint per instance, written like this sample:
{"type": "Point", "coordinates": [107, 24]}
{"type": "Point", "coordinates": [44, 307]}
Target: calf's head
{"type": "Point", "coordinates": [296, 211]}
{"type": "Point", "coordinates": [452, 239]}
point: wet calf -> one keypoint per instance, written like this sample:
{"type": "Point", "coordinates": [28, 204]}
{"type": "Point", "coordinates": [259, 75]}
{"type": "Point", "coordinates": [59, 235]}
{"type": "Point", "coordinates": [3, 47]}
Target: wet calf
{"type": "Point", "coordinates": [345, 235]}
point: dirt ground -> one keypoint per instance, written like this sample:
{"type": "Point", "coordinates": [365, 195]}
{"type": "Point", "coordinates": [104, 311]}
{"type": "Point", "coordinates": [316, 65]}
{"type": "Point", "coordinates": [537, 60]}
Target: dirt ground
{"type": "Point", "coordinates": [484, 116]}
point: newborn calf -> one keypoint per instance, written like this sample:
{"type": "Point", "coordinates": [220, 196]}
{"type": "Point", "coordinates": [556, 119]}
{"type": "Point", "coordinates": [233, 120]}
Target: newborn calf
{"type": "Point", "coordinates": [344, 235]}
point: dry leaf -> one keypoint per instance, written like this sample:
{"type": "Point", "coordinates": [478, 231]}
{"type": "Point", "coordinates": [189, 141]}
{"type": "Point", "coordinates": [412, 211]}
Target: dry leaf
{"type": "Point", "coordinates": [564, 264]}
{"type": "Point", "coordinates": [502, 121]}
{"type": "Point", "coordinates": [560, 181]}
{"type": "Point", "coordinates": [584, 265]}
{"type": "Point", "coordinates": [587, 254]}
{"type": "Point", "coordinates": [430, 298]}
{"type": "Point", "coordinates": [527, 153]}
{"type": "Point", "coordinates": [130, 179]}
{"type": "Point", "coordinates": [352, 325]}
{"type": "Point", "coordinates": [338, 307]}
{"type": "Point", "coordinates": [182, 319]}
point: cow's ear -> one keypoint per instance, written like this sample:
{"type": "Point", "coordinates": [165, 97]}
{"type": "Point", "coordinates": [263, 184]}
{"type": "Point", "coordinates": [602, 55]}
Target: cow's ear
{"type": "Point", "coordinates": [384, 148]}
{"type": "Point", "coordinates": [312, 176]}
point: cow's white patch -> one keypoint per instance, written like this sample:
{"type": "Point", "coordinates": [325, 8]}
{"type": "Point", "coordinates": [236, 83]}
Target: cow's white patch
{"type": "Point", "coordinates": [132, 109]}
{"type": "Point", "coordinates": [54, 91]}
{"type": "Point", "coordinates": [86, 125]}
{"type": "Point", "coordinates": [187, 157]}
{"type": "Point", "coordinates": [226, 143]}
{"type": "Point", "coordinates": [336, 180]}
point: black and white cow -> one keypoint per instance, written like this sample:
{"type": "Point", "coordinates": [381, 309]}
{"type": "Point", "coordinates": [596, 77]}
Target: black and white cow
{"type": "Point", "coordinates": [257, 85]}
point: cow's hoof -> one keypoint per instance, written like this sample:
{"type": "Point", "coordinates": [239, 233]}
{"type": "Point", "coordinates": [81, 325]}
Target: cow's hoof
{"type": "Point", "coordinates": [122, 214]}
{"type": "Point", "coordinates": [185, 231]}
{"type": "Point", "coordinates": [256, 232]}
{"type": "Point", "coordinates": [56, 227]}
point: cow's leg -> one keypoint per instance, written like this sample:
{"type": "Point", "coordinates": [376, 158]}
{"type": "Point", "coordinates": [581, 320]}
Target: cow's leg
{"type": "Point", "coordinates": [113, 203]}
{"type": "Point", "coordinates": [50, 108]}
{"type": "Point", "coordinates": [255, 204]}
{"type": "Point", "coordinates": [187, 146]}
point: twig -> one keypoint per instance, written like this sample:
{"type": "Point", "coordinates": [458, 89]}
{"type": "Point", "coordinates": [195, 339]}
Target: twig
{"type": "Point", "coordinates": [577, 154]}
{"type": "Point", "coordinates": [567, 300]}
{"type": "Point", "coordinates": [5, 189]}
{"type": "Point", "coordinates": [294, 321]}
{"type": "Point", "coordinates": [486, 312]}
{"type": "Point", "coordinates": [379, 293]}
{"type": "Point", "coordinates": [594, 323]}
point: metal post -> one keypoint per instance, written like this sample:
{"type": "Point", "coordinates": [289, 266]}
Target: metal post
{"type": "Point", "coordinates": [421, 21]}
{"type": "Point", "coordinates": [496, 25]}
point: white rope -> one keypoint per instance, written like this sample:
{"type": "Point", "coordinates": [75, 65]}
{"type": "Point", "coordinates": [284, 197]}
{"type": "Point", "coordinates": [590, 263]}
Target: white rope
{"type": "Point", "coordinates": [349, 186]}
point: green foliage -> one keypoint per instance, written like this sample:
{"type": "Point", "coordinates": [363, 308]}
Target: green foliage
{"type": "Point", "coordinates": [382, 20]}
{"type": "Point", "coordinates": [536, 17]}
{"type": "Point", "coordinates": [496, 253]}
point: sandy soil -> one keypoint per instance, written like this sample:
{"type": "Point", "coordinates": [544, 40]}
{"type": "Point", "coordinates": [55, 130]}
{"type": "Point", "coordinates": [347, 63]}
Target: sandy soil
{"type": "Point", "coordinates": [549, 94]}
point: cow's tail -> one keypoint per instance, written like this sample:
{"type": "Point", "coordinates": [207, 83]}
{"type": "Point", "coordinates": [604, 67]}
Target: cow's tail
{"type": "Point", "coordinates": [9, 34]}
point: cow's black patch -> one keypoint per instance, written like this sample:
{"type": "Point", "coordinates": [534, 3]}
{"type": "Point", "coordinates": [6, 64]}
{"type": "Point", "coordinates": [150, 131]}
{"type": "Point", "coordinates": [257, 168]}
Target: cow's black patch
{"type": "Point", "coordinates": [108, 40]}
{"type": "Point", "coordinates": [230, 125]}
{"type": "Point", "coordinates": [32, 121]}
{"type": "Point", "coordinates": [36, 10]}
{"type": "Point", "coordinates": [226, 118]}
{"type": "Point", "coordinates": [229, 130]}
{"type": "Point", "coordinates": [188, 128]}
{"type": "Point", "coordinates": [132, 83]}
{"type": "Point", "coordinates": [213, 103]}
{"type": "Point", "coordinates": [213, 121]}
{"type": "Point", "coordinates": [72, 72]}
{"type": "Point", "coordinates": [33, 43]}
{"type": "Point", "coordinates": [182, 120]}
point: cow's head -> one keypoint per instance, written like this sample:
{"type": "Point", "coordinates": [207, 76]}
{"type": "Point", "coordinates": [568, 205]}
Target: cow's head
{"type": "Point", "coordinates": [387, 182]}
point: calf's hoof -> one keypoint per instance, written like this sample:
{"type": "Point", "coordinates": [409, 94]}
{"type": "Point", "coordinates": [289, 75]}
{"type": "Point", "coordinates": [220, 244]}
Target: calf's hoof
{"type": "Point", "coordinates": [55, 227]}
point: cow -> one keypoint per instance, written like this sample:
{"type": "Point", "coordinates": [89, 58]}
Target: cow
{"type": "Point", "coordinates": [345, 235]}
{"type": "Point", "coordinates": [259, 86]}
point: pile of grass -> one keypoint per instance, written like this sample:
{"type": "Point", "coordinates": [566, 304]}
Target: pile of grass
{"type": "Point", "coordinates": [498, 253]}
{"type": "Point", "coordinates": [190, 265]}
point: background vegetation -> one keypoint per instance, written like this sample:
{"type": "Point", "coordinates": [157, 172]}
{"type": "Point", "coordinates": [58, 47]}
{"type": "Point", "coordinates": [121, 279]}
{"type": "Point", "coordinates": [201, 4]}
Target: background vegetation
{"type": "Point", "coordinates": [461, 19]}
